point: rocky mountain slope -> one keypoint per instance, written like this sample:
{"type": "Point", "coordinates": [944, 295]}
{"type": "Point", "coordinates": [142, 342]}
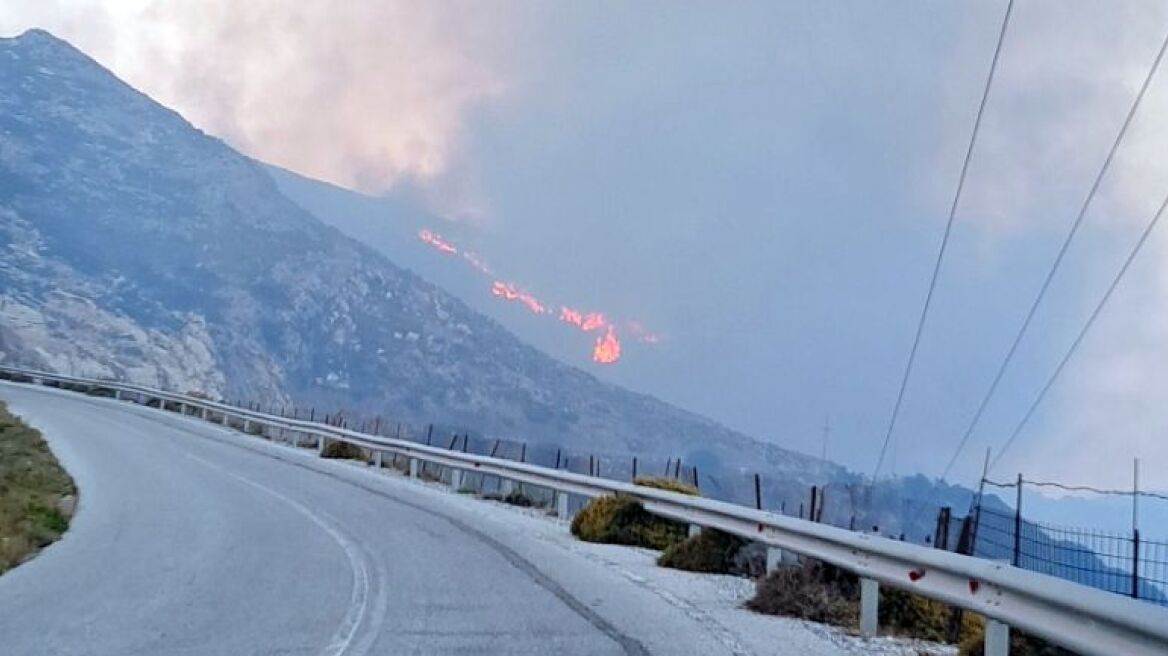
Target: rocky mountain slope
{"type": "Point", "coordinates": [133, 245]}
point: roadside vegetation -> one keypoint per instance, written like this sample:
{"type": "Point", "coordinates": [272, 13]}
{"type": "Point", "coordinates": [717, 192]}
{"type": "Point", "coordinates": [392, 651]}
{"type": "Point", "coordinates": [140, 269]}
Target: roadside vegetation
{"type": "Point", "coordinates": [820, 592]}
{"type": "Point", "coordinates": [620, 519]}
{"type": "Point", "coordinates": [36, 495]}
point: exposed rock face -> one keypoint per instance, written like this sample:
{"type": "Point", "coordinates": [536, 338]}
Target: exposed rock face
{"type": "Point", "coordinates": [132, 245]}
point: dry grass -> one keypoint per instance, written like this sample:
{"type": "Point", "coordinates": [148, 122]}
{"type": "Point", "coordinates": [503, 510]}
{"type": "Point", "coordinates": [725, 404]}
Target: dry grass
{"type": "Point", "coordinates": [32, 486]}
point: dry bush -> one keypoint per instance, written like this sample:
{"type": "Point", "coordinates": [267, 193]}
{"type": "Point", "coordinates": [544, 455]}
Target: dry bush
{"type": "Point", "coordinates": [343, 450]}
{"type": "Point", "coordinates": [670, 484]}
{"type": "Point", "coordinates": [1021, 644]}
{"type": "Point", "coordinates": [904, 613]}
{"type": "Point", "coordinates": [620, 519]}
{"type": "Point", "coordinates": [711, 551]}
{"type": "Point", "coordinates": [812, 591]}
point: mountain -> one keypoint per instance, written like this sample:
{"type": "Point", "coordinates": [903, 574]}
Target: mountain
{"type": "Point", "coordinates": [133, 245]}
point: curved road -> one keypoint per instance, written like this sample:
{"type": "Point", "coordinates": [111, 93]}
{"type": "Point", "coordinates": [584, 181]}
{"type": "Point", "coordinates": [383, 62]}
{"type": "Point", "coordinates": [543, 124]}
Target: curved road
{"type": "Point", "coordinates": [192, 539]}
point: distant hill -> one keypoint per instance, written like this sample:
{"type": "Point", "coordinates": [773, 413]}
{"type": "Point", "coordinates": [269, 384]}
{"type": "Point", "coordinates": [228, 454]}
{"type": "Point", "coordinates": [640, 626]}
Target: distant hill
{"type": "Point", "coordinates": [133, 245]}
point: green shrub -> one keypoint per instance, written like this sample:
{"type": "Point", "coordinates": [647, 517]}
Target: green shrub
{"type": "Point", "coordinates": [711, 551]}
{"type": "Point", "coordinates": [620, 519]}
{"type": "Point", "coordinates": [343, 450]}
{"type": "Point", "coordinates": [670, 484]}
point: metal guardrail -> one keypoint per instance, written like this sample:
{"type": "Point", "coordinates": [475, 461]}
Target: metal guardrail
{"type": "Point", "coordinates": [1077, 617]}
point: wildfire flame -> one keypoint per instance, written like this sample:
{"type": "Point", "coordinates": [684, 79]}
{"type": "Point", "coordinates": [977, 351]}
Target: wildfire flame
{"type": "Point", "coordinates": [437, 241]}
{"type": "Point", "coordinates": [511, 292]}
{"type": "Point", "coordinates": [607, 347]}
{"type": "Point", "coordinates": [586, 321]}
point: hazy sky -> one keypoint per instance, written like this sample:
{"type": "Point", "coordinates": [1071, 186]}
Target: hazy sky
{"type": "Point", "coordinates": [766, 183]}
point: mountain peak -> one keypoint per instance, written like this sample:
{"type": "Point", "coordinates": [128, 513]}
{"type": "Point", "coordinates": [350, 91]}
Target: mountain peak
{"type": "Point", "coordinates": [36, 37]}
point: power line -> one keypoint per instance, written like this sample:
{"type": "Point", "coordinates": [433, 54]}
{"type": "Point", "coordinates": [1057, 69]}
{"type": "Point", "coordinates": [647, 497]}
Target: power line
{"type": "Point", "coordinates": [1086, 327]}
{"type": "Point", "coordinates": [1058, 260]}
{"type": "Point", "coordinates": [944, 239]}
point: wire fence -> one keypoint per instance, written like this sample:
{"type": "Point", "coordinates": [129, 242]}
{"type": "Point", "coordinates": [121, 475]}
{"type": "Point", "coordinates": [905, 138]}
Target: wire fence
{"type": "Point", "coordinates": [1122, 563]}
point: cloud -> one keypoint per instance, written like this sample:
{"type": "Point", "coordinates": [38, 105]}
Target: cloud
{"type": "Point", "coordinates": [367, 94]}
{"type": "Point", "coordinates": [1062, 91]}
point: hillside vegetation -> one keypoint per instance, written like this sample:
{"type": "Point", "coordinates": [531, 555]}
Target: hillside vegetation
{"type": "Point", "coordinates": [36, 495]}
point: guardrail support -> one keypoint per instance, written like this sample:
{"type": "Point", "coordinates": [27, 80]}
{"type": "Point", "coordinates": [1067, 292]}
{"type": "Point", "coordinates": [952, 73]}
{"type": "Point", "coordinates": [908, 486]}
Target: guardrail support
{"type": "Point", "coordinates": [182, 409]}
{"type": "Point", "coordinates": [562, 506]}
{"type": "Point", "coordinates": [413, 467]}
{"type": "Point", "coordinates": [456, 479]}
{"type": "Point", "coordinates": [870, 609]}
{"type": "Point", "coordinates": [774, 559]}
{"type": "Point", "coordinates": [247, 425]}
{"type": "Point", "coordinates": [117, 395]}
{"type": "Point", "coordinates": [997, 638]}
{"type": "Point", "coordinates": [506, 486]}
{"type": "Point", "coordinates": [377, 457]}
{"type": "Point", "coordinates": [694, 529]}
{"type": "Point", "coordinates": [321, 445]}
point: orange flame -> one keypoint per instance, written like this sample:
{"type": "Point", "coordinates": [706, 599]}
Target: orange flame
{"type": "Point", "coordinates": [584, 321]}
{"type": "Point", "coordinates": [437, 241]}
{"type": "Point", "coordinates": [511, 292]}
{"type": "Point", "coordinates": [607, 349]}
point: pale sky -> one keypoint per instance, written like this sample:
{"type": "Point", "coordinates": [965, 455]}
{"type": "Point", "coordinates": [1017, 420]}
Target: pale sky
{"type": "Point", "coordinates": [764, 182]}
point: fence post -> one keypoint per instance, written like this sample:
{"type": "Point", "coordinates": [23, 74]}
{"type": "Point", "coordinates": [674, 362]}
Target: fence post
{"type": "Point", "coordinates": [558, 453]}
{"type": "Point", "coordinates": [869, 607]}
{"type": "Point", "coordinates": [941, 536]}
{"type": "Point", "coordinates": [757, 492]}
{"type": "Point", "coordinates": [1018, 526]}
{"type": "Point", "coordinates": [814, 492]}
{"type": "Point", "coordinates": [696, 482]}
{"type": "Point", "coordinates": [634, 468]}
{"type": "Point", "coordinates": [1135, 589]}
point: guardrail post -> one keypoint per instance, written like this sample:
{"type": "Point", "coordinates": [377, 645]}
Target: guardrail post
{"type": "Point", "coordinates": [247, 425]}
{"type": "Point", "coordinates": [506, 486]}
{"type": "Point", "coordinates": [456, 479]}
{"type": "Point", "coordinates": [377, 458]}
{"type": "Point", "coordinates": [182, 408]}
{"type": "Point", "coordinates": [117, 395]}
{"type": "Point", "coordinates": [997, 638]}
{"type": "Point", "coordinates": [224, 422]}
{"type": "Point", "coordinates": [562, 506]}
{"type": "Point", "coordinates": [694, 529]}
{"type": "Point", "coordinates": [774, 559]}
{"type": "Point", "coordinates": [321, 445]}
{"type": "Point", "coordinates": [413, 467]}
{"type": "Point", "coordinates": [870, 608]}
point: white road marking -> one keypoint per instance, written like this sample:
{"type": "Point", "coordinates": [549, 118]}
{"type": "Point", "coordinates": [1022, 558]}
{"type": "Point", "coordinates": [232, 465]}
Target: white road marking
{"type": "Point", "coordinates": [342, 639]}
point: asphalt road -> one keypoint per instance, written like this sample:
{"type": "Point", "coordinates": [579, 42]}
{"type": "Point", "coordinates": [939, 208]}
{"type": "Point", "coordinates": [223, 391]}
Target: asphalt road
{"type": "Point", "coordinates": [192, 539]}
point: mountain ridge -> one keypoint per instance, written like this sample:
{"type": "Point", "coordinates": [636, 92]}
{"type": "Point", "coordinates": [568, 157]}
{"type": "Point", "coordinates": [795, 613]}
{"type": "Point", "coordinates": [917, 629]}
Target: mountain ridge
{"type": "Point", "coordinates": [121, 223]}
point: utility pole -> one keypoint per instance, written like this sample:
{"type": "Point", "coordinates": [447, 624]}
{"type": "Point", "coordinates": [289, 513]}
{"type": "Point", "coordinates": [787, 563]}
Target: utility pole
{"type": "Point", "coordinates": [826, 435]}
